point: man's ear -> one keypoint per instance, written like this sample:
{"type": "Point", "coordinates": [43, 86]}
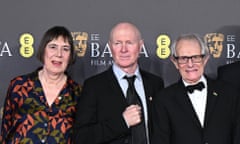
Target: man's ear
{"type": "Point", "coordinates": [205, 60]}
{"type": "Point", "coordinates": [141, 44]}
{"type": "Point", "coordinates": [174, 61]}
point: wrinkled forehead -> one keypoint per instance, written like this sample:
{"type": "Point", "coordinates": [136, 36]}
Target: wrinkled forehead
{"type": "Point", "coordinates": [125, 28]}
{"type": "Point", "coordinates": [188, 46]}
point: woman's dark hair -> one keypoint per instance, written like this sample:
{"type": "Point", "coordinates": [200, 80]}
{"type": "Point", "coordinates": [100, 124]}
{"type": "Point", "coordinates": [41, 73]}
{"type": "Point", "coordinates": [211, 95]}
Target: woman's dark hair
{"type": "Point", "coordinates": [54, 33]}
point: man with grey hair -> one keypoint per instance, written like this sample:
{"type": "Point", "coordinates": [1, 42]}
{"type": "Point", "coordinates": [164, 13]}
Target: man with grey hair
{"type": "Point", "coordinates": [196, 109]}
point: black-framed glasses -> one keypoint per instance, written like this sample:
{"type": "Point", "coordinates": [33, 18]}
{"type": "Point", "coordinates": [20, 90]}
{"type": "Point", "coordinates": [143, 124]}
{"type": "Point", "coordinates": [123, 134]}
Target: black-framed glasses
{"type": "Point", "coordinates": [184, 59]}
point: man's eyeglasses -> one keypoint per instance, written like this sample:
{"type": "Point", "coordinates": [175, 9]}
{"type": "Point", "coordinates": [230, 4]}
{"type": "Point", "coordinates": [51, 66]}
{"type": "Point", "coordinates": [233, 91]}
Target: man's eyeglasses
{"type": "Point", "coordinates": [184, 59]}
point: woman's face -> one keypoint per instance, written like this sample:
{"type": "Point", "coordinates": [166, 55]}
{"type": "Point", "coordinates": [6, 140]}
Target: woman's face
{"type": "Point", "coordinates": [56, 56]}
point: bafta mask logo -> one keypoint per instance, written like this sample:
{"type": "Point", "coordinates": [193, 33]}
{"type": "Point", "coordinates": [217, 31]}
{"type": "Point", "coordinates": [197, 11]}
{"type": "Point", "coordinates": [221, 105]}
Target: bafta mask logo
{"type": "Point", "coordinates": [80, 43]}
{"type": "Point", "coordinates": [215, 43]}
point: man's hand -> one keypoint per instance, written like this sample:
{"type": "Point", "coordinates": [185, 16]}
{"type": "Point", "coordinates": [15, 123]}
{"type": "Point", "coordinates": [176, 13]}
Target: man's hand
{"type": "Point", "coordinates": [132, 115]}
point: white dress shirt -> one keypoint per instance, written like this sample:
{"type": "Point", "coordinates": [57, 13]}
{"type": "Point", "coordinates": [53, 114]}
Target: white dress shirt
{"type": "Point", "coordinates": [199, 100]}
{"type": "Point", "coordinates": [138, 83]}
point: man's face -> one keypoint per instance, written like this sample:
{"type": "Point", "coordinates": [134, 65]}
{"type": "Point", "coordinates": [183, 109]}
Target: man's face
{"type": "Point", "coordinates": [125, 47]}
{"type": "Point", "coordinates": [190, 71]}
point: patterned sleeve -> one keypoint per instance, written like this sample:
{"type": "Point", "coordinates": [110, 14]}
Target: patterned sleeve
{"type": "Point", "coordinates": [7, 119]}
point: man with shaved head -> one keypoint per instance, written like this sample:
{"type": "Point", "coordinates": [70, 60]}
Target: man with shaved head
{"type": "Point", "coordinates": [115, 105]}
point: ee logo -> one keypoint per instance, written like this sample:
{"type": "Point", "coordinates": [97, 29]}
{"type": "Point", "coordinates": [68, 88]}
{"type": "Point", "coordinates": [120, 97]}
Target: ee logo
{"type": "Point", "coordinates": [163, 43]}
{"type": "Point", "coordinates": [26, 41]}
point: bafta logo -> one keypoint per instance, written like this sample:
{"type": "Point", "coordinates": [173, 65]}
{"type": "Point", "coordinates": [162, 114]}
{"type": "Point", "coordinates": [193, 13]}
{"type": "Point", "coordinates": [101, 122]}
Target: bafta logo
{"type": "Point", "coordinates": [215, 43]}
{"type": "Point", "coordinates": [80, 43]}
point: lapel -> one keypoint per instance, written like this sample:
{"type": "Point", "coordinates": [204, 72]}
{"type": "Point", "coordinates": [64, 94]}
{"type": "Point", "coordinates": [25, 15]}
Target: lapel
{"type": "Point", "coordinates": [212, 96]}
{"type": "Point", "coordinates": [147, 87]}
{"type": "Point", "coordinates": [111, 80]}
{"type": "Point", "coordinates": [184, 100]}
{"type": "Point", "coordinates": [186, 104]}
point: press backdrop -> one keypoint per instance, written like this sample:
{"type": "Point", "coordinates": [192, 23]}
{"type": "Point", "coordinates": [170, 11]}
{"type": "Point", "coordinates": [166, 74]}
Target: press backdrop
{"type": "Point", "coordinates": [22, 24]}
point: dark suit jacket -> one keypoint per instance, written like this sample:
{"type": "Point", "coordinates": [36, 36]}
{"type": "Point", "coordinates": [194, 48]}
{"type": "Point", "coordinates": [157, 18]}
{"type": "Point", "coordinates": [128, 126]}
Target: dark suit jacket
{"type": "Point", "coordinates": [99, 117]}
{"type": "Point", "coordinates": [230, 73]}
{"type": "Point", "coordinates": [175, 120]}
